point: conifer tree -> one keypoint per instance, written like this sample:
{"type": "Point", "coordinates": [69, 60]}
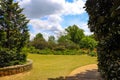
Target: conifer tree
{"type": "Point", "coordinates": [13, 30]}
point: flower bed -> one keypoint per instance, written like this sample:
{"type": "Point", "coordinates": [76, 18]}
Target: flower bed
{"type": "Point", "coordinates": [16, 69]}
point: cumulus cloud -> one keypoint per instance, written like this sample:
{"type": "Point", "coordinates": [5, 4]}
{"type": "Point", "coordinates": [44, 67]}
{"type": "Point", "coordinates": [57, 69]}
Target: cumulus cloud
{"type": "Point", "coordinates": [74, 8]}
{"type": "Point", "coordinates": [48, 27]}
{"type": "Point", "coordinates": [40, 8]}
{"type": "Point", "coordinates": [35, 10]}
{"type": "Point", "coordinates": [84, 26]}
{"type": "Point", "coordinates": [51, 24]}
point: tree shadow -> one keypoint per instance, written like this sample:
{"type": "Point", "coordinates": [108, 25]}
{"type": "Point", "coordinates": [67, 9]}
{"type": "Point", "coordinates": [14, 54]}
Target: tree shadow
{"type": "Point", "coordinates": [88, 75]}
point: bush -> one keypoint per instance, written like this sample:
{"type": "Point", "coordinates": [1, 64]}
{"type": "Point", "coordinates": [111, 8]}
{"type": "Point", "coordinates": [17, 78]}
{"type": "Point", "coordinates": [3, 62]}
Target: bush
{"type": "Point", "coordinates": [59, 48]}
{"type": "Point", "coordinates": [71, 45]}
{"type": "Point", "coordinates": [9, 57]}
{"type": "Point", "coordinates": [104, 21]}
{"type": "Point", "coordinates": [81, 51]}
{"type": "Point", "coordinates": [92, 54]}
{"type": "Point", "coordinates": [88, 42]}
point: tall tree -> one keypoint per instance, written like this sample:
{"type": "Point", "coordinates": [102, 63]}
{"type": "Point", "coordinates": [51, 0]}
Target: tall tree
{"type": "Point", "coordinates": [104, 21]}
{"type": "Point", "coordinates": [64, 40]}
{"type": "Point", "coordinates": [39, 36]}
{"type": "Point", "coordinates": [13, 27]}
{"type": "Point", "coordinates": [75, 33]}
{"type": "Point", "coordinates": [39, 42]}
{"type": "Point", "coordinates": [51, 42]}
{"type": "Point", "coordinates": [51, 39]}
{"type": "Point", "coordinates": [88, 42]}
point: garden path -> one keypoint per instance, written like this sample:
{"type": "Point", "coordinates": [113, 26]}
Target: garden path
{"type": "Point", "coordinates": [88, 72]}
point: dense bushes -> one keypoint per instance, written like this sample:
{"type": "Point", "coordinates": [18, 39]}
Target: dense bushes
{"type": "Point", "coordinates": [88, 42]}
{"type": "Point", "coordinates": [10, 57]}
{"type": "Point", "coordinates": [104, 21]}
{"type": "Point", "coordinates": [72, 42]}
{"type": "Point", "coordinates": [57, 51]}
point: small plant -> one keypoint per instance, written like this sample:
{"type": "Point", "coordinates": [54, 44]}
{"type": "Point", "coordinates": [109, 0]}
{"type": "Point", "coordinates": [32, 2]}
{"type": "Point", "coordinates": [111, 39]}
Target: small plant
{"type": "Point", "coordinates": [93, 54]}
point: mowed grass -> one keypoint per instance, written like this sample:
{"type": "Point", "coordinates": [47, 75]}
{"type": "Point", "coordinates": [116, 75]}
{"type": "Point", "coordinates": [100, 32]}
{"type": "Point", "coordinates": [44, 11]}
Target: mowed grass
{"type": "Point", "coordinates": [52, 66]}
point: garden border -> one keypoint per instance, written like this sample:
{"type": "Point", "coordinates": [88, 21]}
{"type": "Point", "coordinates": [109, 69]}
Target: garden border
{"type": "Point", "coordinates": [10, 70]}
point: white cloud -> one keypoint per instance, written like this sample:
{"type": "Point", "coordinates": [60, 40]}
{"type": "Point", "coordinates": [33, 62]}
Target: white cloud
{"type": "Point", "coordinates": [31, 35]}
{"type": "Point", "coordinates": [54, 10]}
{"type": "Point", "coordinates": [47, 27]}
{"type": "Point", "coordinates": [84, 26]}
{"type": "Point", "coordinates": [40, 8]}
{"type": "Point", "coordinates": [51, 24]}
{"type": "Point", "coordinates": [74, 8]}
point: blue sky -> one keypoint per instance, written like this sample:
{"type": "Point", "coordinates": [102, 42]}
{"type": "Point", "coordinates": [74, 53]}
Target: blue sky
{"type": "Point", "coordinates": [50, 17]}
{"type": "Point", "coordinates": [70, 1]}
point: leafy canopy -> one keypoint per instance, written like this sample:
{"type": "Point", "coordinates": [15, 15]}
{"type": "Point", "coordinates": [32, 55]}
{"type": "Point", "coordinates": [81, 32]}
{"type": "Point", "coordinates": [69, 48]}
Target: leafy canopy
{"type": "Point", "coordinates": [104, 21]}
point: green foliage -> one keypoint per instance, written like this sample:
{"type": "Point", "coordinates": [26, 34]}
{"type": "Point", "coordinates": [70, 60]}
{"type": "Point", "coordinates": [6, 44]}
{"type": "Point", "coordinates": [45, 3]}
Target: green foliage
{"type": "Point", "coordinates": [32, 49]}
{"type": "Point", "coordinates": [104, 21]}
{"type": "Point", "coordinates": [9, 57]}
{"type": "Point", "coordinates": [64, 45]}
{"type": "Point", "coordinates": [92, 53]}
{"type": "Point", "coordinates": [51, 39]}
{"type": "Point", "coordinates": [13, 32]}
{"type": "Point", "coordinates": [67, 43]}
{"type": "Point", "coordinates": [75, 34]}
{"type": "Point", "coordinates": [59, 48]}
{"type": "Point", "coordinates": [39, 42]}
{"type": "Point", "coordinates": [51, 42]}
{"type": "Point", "coordinates": [39, 36]}
{"type": "Point", "coordinates": [88, 42]}
{"type": "Point", "coordinates": [72, 46]}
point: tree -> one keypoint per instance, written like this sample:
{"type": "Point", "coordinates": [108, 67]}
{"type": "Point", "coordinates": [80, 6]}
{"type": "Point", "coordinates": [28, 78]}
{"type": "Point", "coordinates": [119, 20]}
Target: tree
{"type": "Point", "coordinates": [51, 39]}
{"type": "Point", "coordinates": [39, 42]}
{"type": "Point", "coordinates": [51, 42]}
{"type": "Point", "coordinates": [64, 40]}
{"type": "Point", "coordinates": [13, 33]}
{"type": "Point", "coordinates": [39, 36]}
{"type": "Point", "coordinates": [88, 42]}
{"type": "Point", "coordinates": [75, 33]}
{"type": "Point", "coordinates": [104, 21]}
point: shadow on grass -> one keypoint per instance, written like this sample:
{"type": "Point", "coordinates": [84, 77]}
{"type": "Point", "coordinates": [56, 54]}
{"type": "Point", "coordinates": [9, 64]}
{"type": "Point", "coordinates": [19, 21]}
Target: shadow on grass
{"type": "Point", "coordinates": [88, 75]}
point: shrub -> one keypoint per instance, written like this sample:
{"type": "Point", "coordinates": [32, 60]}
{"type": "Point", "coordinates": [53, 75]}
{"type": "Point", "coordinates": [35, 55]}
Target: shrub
{"type": "Point", "coordinates": [92, 53]}
{"type": "Point", "coordinates": [104, 21]}
{"type": "Point", "coordinates": [10, 57]}
{"type": "Point", "coordinates": [59, 48]}
{"type": "Point", "coordinates": [88, 42]}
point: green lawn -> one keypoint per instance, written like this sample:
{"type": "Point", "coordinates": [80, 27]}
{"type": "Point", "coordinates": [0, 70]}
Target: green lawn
{"type": "Point", "coordinates": [51, 66]}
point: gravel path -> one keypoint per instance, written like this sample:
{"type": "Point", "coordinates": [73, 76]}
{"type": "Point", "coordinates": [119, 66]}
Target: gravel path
{"type": "Point", "coordinates": [89, 72]}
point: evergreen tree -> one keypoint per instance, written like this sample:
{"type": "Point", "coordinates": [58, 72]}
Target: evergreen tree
{"type": "Point", "coordinates": [13, 30]}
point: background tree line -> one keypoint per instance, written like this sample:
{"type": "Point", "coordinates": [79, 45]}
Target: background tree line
{"type": "Point", "coordinates": [73, 39]}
